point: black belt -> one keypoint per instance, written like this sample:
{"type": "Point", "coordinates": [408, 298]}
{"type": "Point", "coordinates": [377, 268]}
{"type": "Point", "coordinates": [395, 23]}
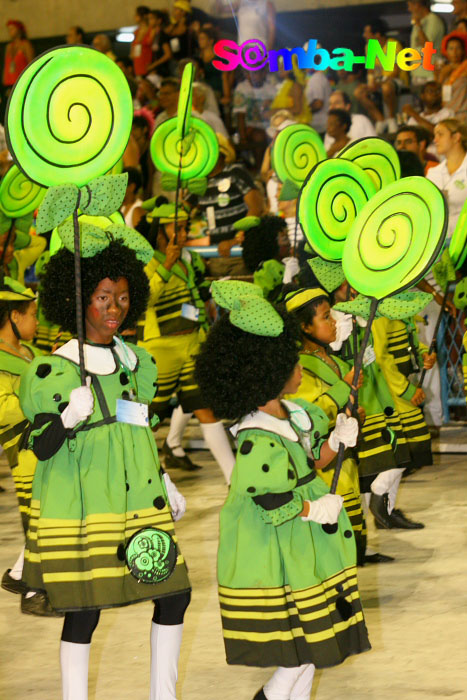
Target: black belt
{"type": "Point", "coordinates": [306, 479]}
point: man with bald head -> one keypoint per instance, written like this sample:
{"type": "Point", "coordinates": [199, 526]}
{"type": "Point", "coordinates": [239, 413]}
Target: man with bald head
{"type": "Point", "coordinates": [360, 126]}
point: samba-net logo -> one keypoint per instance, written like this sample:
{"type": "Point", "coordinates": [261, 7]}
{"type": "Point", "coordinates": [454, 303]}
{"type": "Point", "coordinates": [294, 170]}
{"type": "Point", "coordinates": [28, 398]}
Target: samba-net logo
{"type": "Point", "coordinates": [253, 55]}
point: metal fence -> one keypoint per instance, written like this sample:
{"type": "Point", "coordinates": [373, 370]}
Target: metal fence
{"type": "Point", "coordinates": [450, 351]}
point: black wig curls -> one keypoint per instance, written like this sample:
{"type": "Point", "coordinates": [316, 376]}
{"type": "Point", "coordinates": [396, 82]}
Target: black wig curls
{"type": "Point", "coordinates": [238, 371]}
{"type": "Point", "coordinates": [261, 242]}
{"type": "Point", "coordinates": [57, 293]}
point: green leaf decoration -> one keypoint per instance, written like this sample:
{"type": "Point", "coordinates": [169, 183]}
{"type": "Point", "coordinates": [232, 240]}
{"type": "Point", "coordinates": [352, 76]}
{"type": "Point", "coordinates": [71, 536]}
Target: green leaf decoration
{"type": "Point", "coordinates": [289, 191]}
{"type": "Point", "coordinates": [330, 275]}
{"type": "Point", "coordinates": [198, 185]}
{"type": "Point", "coordinates": [248, 308]}
{"type": "Point", "coordinates": [405, 305]}
{"type": "Point", "coordinates": [104, 195]}
{"type": "Point", "coordinates": [94, 239]}
{"type": "Point", "coordinates": [246, 223]}
{"type": "Point", "coordinates": [360, 306]}
{"type": "Point", "coordinates": [24, 223]}
{"type": "Point", "coordinates": [444, 271]}
{"type": "Point", "coordinates": [58, 204]}
{"type": "Point", "coordinates": [168, 183]}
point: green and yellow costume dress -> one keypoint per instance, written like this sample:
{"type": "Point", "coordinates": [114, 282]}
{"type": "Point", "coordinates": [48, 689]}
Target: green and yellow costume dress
{"type": "Point", "coordinates": [14, 424]}
{"type": "Point", "coordinates": [323, 386]}
{"type": "Point", "coordinates": [99, 483]}
{"type": "Point", "coordinates": [399, 353]}
{"type": "Point", "coordinates": [288, 590]}
{"type": "Point", "coordinates": [170, 337]}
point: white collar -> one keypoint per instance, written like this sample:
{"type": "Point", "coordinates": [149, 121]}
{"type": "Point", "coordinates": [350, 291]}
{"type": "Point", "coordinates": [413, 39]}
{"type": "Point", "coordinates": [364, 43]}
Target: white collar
{"type": "Point", "coordinates": [98, 359]}
{"type": "Point", "coordinates": [283, 427]}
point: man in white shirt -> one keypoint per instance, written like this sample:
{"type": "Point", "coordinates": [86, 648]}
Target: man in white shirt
{"type": "Point", "coordinates": [317, 93]}
{"type": "Point", "coordinates": [426, 26]}
{"type": "Point", "coordinates": [360, 126]}
{"type": "Point", "coordinates": [199, 102]}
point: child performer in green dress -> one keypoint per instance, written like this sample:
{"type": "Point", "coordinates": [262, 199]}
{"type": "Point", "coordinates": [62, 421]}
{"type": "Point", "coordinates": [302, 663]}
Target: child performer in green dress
{"type": "Point", "coordinates": [286, 563]}
{"type": "Point", "coordinates": [101, 528]}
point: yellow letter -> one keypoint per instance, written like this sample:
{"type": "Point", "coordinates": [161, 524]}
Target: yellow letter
{"type": "Point", "coordinates": [406, 55]}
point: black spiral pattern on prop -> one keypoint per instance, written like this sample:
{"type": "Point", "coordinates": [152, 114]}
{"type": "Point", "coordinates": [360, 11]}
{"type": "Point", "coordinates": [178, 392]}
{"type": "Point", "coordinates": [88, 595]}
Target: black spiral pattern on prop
{"type": "Point", "coordinates": [329, 202]}
{"type": "Point", "coordinates": [297, 149]}
{"type": "Point", "coordinates": [396, 238]}
{"type": "Point", "coordinates": [377, 157]}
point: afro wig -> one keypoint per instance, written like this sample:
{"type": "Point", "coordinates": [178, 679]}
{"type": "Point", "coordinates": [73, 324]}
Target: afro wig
{"type": "Point", "coordinates": [238, 371]}
{"type": "Point", "coordinates": [57, 291]}
{"type": "Point", "coordinates": [261, 242]}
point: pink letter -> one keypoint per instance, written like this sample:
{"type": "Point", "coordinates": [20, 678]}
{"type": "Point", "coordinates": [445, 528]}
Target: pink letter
{"type": "Point", "coordinates": [232, 57]}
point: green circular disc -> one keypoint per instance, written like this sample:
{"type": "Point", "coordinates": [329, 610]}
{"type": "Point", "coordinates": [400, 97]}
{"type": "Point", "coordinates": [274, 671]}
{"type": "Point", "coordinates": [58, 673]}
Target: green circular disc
{"type": "Point", "coordinates": [329, 201]}
{"type": "Point", "coordinates": [296, 150]}
{"type": "Point", "coordinates": [199, 158]}
{"type": "Point", "coordinates": [458, 243]}
{"type": "Point", "coordinates": [101, 221]}
{"type": "Point", "coordinates": [19, 195]}
{"type": "Point", "coordinates": [396, 238]}
{"type": "Point", "coordinates": [377, 157]}
{"type": "Point", "coordinates": [69, 116]}
{"type": "Point", "coordinates": [151, 555]}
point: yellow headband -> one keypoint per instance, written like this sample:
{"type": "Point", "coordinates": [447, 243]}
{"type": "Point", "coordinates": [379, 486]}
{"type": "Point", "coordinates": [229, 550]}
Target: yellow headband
{"type": "Point", "coordinates": [302, 297]}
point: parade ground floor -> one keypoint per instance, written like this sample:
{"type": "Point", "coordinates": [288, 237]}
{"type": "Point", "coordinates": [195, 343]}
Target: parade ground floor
{"type": "Point", "coordinates": [415, 607]}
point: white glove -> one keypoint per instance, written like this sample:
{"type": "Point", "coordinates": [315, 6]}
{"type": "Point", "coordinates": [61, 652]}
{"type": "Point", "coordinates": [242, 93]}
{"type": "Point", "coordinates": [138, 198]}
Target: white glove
{"type": "Point", "coordinates": [292, 268]}
{"type": "Point", "coordinates": [346, 431]}
{"type": "Point", "coordinates": [177, 502]}
{"type": "Point", "coordinates": [344, 327]}
{"type": "Point", "coordinates": [324, 510]}
{"type": "Point", "coordinates": [80, 406]}
{"type": "Point", "coordinates": [369, 356]}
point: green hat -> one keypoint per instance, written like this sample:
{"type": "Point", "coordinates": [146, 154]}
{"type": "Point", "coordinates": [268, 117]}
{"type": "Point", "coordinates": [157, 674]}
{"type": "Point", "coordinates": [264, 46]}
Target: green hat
{"type": "Point", "coordinates": [330, 275]}
{"type": "Point", "coordinates": [12, 290]}
{"type": "Point", "coordinates": [249, 311]}
{"type": "Point", "coordinates": [302, 297]}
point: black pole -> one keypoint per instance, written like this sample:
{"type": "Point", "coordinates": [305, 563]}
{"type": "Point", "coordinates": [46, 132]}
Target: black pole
{"type": "Point", "coordinates": [79, 298]}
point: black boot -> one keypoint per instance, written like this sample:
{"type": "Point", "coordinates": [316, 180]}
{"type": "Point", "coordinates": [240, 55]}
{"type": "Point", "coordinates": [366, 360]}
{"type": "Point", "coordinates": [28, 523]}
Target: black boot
{"type": "Point", "coordinates": [12, 585]}
{"type": "Point", "coordinates": [260, 695]}
{"type": "Point", "coordinates": [377, 558]}
{"type": "Point", "coordinates": [171, 461]}
{"type": "Point", "coordinates": [401, 521]}
{"type": "Point", "coordinates": [379, 508]}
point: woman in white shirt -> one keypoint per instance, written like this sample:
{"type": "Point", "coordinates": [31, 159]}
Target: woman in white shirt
{"type": "Point", "coordinates": [451, 175]}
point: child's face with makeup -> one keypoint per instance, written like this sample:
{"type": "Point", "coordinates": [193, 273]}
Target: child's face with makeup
{"type": "Point", "coordinates": [323, 327]}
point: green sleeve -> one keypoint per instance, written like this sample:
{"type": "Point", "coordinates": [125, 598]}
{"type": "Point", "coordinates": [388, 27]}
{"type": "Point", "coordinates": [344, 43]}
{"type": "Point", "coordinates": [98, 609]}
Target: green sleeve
{"type": "Point", "coordinates": [264, 472]}
{"type": "Point", "coordinates": [409, 392]}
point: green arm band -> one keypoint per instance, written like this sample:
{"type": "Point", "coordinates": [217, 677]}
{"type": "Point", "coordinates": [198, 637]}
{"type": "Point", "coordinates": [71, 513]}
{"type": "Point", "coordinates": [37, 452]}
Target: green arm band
{"type": "Point", "coordinates": [163, 272]}
{"type": "Point", "coordinates": [339, 393]}
{"type": "Point", "coordinates": [409, 392]}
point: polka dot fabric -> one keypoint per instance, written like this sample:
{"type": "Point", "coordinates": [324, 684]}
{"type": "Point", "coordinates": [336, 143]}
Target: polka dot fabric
{"type": "Point", "coordinates": [249, 311]}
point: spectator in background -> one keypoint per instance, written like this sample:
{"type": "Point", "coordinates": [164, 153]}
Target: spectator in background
{"type": "Point", "coordinates": [451, 174]}
{"type": "Point", "coordinates": [181, 39]}
{"type": "Point", "coordinates": [453, 76]}
{"type": "Point", "coordinates": [291, 95]}
{"type": "Point", "coordinates": [199, 103]}
{"type": "Point", "coordinates": [433, 111]}
{"type": "Point", "coordinates": [161, 53]}
{"type": "Point", "coordinates": [426, 26]}
{"type": "Point", "coordinates": [317, 93]}
{"type": "Point", "coordinates": [18, 53]}
{"type": "Point", "coordinates": [230, 195]}
{"type": "Point", "coordinates": [75, 35]}
{"type": "Point", "coordinates": [131, 206]}
{"type": "Point", "coordinates": [102, 43]}
{"type": "Point", "coordinates": [415, 139]}
{"type": "Point", "coordinates": [360, 126]}
{"type": "Point", "coordinates": [251, 106]}
{"type": "Point", "coordinates": [384, 83]}
{"type": "Point", "coordinates": [216, 79]}
{"type": "Point", "coordinates": [256, 20]}
{"type": "Point", "coordinates": [141, 133]}
{"type": "Point", "coordinates": [141, 51]}
{"type": "Point", "coordinates": [348, 82]}
{"type": "Point", "coordinates": [461, 25]}
{"type": "Point", "coordinates": [338, 126]}
{"type": "Point", "coordinates": [168, 95]}
{"type": "Point", "coordinates": [460, 9]}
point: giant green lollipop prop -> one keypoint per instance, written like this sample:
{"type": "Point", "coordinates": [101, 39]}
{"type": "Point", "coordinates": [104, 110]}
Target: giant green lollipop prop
{"type": "Point", "coordinates": [68, 120]}
{"type": "Point", "coordinates": [377, 157]}
{"type": "Point", "coordinates": [297, 149]}
{"type": "Point", "coordinates": [329, 201]}
{"type": "Point", "coordinates": [393, 242]}
{"type": "Point", "coordinates": [69, 116]}
{"type": "Point", "coordinates": [18, 195]}
{"type": "Point", "coordinates": [458, 243]}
